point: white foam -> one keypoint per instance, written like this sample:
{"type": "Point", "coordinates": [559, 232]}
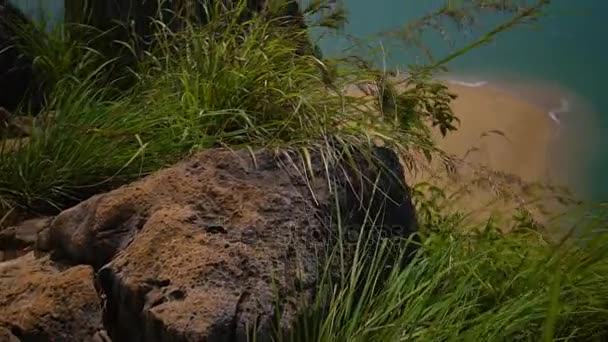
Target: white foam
{"type": "Point", "coordinates": [564, 107]}
{"type": "Point", "coordinates": [554, 117]}
{"type": "Point", "coordinates": [469, 84]}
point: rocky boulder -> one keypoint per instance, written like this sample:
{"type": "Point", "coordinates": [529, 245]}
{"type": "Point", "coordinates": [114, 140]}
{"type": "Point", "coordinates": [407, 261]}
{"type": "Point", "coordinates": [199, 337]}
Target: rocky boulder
{"type": "Point", "coordinates": [42, 302]}
{"type": "Point", "coordinates": [227, 244]}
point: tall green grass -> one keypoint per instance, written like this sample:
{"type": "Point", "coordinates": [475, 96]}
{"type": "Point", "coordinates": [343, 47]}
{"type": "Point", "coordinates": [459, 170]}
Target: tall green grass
{"type": "Point", "coordinates": [482, 286]}
{"type": "Point", "coordinates": [229, 82]}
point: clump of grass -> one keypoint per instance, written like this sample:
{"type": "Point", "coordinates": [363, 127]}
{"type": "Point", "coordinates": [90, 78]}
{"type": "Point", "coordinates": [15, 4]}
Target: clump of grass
{"type": "Point", "coordinates": [484, 286]}
{"type": "Point", "coordinates": [235, 84]}
{"type": "Point", "coordinates": [238, 81]}
{"type": "Point", "coordinates": [88, 141]}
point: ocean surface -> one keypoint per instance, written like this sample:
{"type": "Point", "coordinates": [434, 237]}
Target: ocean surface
{"type": "Point", "coordinates": [560, 62]}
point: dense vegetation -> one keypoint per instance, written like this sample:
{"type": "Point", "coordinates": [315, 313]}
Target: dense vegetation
{"type": "Point", "coordinates": [245, 83]}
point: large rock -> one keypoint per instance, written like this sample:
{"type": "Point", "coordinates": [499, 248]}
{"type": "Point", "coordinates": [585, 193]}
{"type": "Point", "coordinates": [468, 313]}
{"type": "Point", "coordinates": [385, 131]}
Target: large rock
{"type": "Point", "coordinates": [223, 243]}
{"type": "Point", "coordinates": [40, 302]}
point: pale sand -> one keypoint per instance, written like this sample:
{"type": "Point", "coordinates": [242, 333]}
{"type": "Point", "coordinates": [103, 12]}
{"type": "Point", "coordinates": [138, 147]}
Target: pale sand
{"type": "Point", "coordinates": [501, 132]}
{"type": "Point", "coordinates": [497, 130]}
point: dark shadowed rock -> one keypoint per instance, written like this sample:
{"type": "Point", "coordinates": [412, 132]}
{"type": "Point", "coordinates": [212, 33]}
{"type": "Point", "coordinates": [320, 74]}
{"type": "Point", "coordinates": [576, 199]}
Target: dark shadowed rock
{"type": "Point", "coordinates": [7, 336]}
{"type": "Point", "coordinates": [222, 244]}
{"type": "Point", "coordinates": [137, 18]}
{"type": "Point", "coordinates": [375, 185]}
{"type": "Point", "coordinates": [40, 302]}
{"type": "Point", "coordinates": [17, 82]}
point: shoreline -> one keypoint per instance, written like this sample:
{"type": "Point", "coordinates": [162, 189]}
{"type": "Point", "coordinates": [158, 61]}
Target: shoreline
{"type": "Point", "coordinates": [513, 152]}
{"type": "Point", "coordinates": [555, 100]}
{"type": "Point", "coordinates": [570, 151]}
{"type": "Point", "coordinates": [504, 138]}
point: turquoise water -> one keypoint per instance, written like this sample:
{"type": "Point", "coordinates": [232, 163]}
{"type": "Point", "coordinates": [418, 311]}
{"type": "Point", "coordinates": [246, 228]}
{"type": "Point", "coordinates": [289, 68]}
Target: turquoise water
{"type": "Point", "coordinates": [562, 60]}
{"type": "Point", "coordinates": [48, 11]}
{"type": "Point", "coordinates": [564, 55]}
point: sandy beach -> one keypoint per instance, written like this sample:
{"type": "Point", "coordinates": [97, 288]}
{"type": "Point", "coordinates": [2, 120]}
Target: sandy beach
{"type": "Point", "coordinates": [498, 129]}
{"type": "Point", "coordinates": [505, 143]}
{"type": "Point", "coordinates": [501, 132]}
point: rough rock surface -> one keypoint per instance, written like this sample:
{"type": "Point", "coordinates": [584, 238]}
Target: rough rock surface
{"type": "Point", "coordinates": [198, 251]}
{"type": "Point", "coordinates": [222, 245]}
{"type": "Point", "coordinates": [18, 240]}
{"type": "Point", "coordinates": [40, 302]}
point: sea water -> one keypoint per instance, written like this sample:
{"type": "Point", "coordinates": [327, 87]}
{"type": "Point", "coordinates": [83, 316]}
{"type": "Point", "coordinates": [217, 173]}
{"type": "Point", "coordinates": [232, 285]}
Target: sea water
{"type": "Point", "coordinates": [48, 11]}
{"type": "Point", "coordinates": [560, 62]}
